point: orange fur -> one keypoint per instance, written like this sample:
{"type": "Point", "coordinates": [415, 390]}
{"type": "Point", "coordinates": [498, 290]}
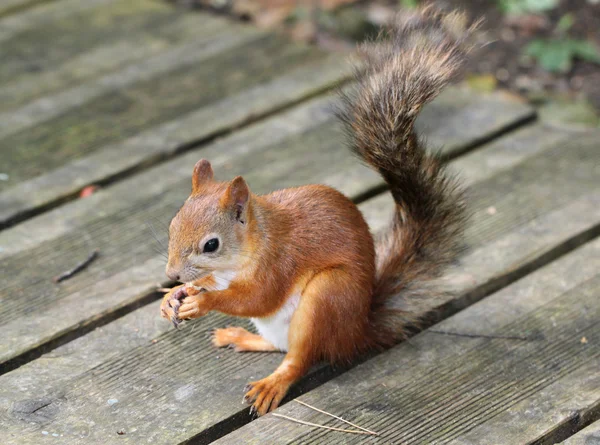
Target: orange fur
{"type": "Point", "coordinates": [310, 239]}
{"type": "Point", "coordinates": [241, 340]}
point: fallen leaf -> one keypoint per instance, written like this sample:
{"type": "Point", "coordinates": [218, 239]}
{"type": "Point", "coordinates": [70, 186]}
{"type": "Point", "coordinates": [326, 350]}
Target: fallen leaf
{"type": "Point", "coordinates": [556, 55]}
{"type": "Point", "coordinates": [88, 191]}
{"type": "Point", "coordinates": [527, 24]}
{"type": "Point", "coordinates": [526, 6]}
{"type": "Point", "coordinates": [583, 341]}
{"type": "Point", "coordinates": [484, 83]}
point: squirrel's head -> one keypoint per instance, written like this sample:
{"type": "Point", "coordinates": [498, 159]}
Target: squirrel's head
{"type": "Point", "coordinates": [210, 232]}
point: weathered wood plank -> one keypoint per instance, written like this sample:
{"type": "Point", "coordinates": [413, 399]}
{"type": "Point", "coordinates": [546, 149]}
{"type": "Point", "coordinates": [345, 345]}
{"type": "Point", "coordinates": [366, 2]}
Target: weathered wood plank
{"type": "Point", "coordinates": [451, 384]}
{"type": "Point", "coordinates": [46, 109]}
{"type": "Point", "coordinates": [43, 46]}
{"type": "Point", "coordinates": [587, 436]}
{"type": "Point", "coordinates": [120, 113]}
{"type": "Point", "coordinates": [179, 385]}
{"type": "Point", "coordinates": [39, 16]}
{"type": "Point", "coordinates": [100, 57]}
{"type": "Point", "coordinates": [483, 117]}
{"type": "Point", "coordinates": [167, 139]}
{"type": "Point", "coordinates": [13, 6]}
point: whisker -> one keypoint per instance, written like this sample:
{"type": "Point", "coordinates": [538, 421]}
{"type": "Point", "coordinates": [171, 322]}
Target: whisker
{"type": "Point", "coordinates": [155, 236]}
{"type": "Point", "coordinates": [160, 252]}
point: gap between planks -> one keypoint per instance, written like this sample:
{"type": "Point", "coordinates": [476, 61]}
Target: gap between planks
{"type": "Point", "coordinates": [590, 435]}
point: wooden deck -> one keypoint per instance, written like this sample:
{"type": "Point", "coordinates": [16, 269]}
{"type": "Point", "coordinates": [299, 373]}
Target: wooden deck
{"type": "Point", "coordinates": [128, 95]}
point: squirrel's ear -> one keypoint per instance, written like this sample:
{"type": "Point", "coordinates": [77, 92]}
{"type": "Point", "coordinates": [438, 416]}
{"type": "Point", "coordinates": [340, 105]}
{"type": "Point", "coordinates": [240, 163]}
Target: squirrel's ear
{"type": "Point", "coordinates": [236, 198]}
{"type": "Point", "coordinates": [203, 173]}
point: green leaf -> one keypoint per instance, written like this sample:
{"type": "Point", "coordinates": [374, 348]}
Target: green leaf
{"type": "Point", "coordinates": [552, 55]}
{"type": "Point", "coordinates": [565, 23]}
{"type": "Point", "coordinates": [585, 51]}
{"type": "Point", "coordinates": [540, 5]}
{"type": "Point", "coordinates": [556, 55]}
{"type": "Point", "coordinates": [409, 4]}
{"type": "Point", "coordinates": [526, 6]}
{"type": "Point", "coordinates": [484, 83]}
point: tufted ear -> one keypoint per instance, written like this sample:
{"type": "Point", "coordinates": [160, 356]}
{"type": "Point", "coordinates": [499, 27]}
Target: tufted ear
{"type": "Point", "coordinates": [203, 173]}
{"type": "Point", "coordinates": [236, 198]}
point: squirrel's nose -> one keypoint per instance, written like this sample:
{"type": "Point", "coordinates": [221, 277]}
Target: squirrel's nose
{"type": "Point", "coordinates": [173, 274]}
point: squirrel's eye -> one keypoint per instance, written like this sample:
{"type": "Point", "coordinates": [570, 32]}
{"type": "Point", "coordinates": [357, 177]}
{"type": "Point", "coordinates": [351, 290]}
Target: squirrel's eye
{"type": "Point", "coordinates": [211, 245]}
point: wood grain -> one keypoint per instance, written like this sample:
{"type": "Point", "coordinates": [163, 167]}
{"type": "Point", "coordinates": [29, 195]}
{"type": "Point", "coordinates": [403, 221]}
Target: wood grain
{"type": "Point", "coordinates": [125, 110]}
{"type": "Point", "coordinates": [39, 16]}
{"type": "Point", "coordinates": [35, 78]}
{"type": "Point", "coordinates": [165, 140]}
{"type": "Point", "coordinates": [13, 6]}
{"type": "Point", "coordinates": [68, 30]}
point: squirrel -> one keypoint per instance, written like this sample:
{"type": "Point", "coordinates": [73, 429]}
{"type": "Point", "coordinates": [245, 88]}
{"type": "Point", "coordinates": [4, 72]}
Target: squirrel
{"type": "Point", "coordinates": [301, 262]}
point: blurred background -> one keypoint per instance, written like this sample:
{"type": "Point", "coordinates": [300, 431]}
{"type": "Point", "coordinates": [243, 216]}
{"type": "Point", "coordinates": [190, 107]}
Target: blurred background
{"type": "Point", "coordinates": [545, 50]}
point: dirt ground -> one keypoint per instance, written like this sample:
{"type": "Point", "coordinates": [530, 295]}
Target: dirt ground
{"type": "Point", "coordinates": [504, 58]}
{"type": "Point", "coordinates": [502, 62]}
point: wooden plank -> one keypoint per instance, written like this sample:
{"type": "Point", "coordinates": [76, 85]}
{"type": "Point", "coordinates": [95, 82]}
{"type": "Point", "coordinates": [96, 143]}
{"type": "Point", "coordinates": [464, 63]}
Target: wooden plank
{"type": "Point", "coordinates": [38, 47]}
{"type": "Point", "coordinates": [38, 16]}
{"type": "Point", "coordinates": [587, 436]}
{"type": "Point", "coordinates": [469, 389]}
{"type": "Point", "coordinates": [178, 387]}
{"type": "Point", "coordinates": [120, 112]}
{"type": "Point", "coordinates": [485, 116]}
{"type": "Point", "coordinates": [167, 139]}
{"type": "Point", "coordinates": [96, 57]}
{"type": "Point", "coordinates": [12, 6]}
{"type": "Point", "coordinates": [47, 109]}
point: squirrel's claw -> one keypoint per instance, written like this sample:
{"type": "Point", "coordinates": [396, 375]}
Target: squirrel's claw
{"type": "Point", "coordinates": [266, 394]}
{"type": "Point", "coordinates": [171, 303]}
{"type": "Point", "coordinates": [192, 307]}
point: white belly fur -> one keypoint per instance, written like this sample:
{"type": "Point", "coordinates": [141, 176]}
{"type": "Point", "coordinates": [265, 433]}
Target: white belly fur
{"type": "Point", "coordinates": [276, 327]}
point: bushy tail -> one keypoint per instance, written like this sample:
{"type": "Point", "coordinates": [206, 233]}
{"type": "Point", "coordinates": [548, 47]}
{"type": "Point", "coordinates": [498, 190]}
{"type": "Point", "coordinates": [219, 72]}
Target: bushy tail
{"type": "Point", "coordinates": [404, 70]}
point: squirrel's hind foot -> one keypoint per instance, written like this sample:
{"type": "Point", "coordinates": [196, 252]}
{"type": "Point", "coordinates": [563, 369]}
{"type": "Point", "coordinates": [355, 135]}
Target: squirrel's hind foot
{"type": "Point", "coordinates": [266, 394]}
{"type": "Point", "coordinates": [240, 340]}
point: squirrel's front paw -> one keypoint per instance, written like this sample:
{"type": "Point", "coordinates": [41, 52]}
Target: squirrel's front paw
{"type": "Point", "coordinates": [169, 308]}
{"type": "Point", "coordinates": [193, 306]}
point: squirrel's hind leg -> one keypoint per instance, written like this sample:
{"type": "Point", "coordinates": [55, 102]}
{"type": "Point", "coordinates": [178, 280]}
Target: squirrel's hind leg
{"type": "Point", "coordinates": [241, 340]}
{"type": "Point", "coordinates": [311, 335]}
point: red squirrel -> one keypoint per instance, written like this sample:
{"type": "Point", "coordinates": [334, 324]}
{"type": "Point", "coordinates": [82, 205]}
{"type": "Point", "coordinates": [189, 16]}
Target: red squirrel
{"type": "Point", "coordinates": [301, 262]}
